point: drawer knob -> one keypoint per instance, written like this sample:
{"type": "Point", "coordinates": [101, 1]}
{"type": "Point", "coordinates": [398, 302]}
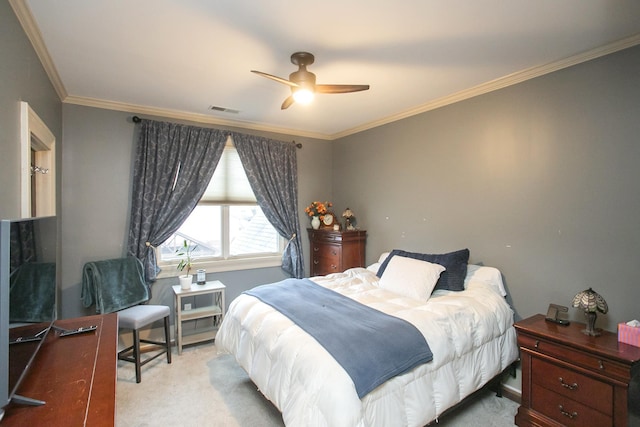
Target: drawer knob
{"type": "Point", "coordinates": [571, 415]}
{"type": "Point", "coordinates": [334, 253]}
{"type": "Point", "coordinates": [315, 262]}
{"type": "Point", "coordinates": [600, 364]}
{"type": "Point", "coordinates": [569, 386]}
{"type": "Point", "coordinates": [537, 344]}
{"type": "Point", "coordinates": [316, 249]}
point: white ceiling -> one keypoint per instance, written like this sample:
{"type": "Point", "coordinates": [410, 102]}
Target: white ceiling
{"type": "Point", "coordinates": [177, 58]}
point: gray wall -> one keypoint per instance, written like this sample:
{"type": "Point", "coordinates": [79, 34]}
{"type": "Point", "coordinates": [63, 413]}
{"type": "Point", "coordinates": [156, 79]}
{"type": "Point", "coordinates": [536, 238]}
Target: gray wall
{"type": "Point", "coordinates": [22, 78]}
{"type": "Point", "coordinates": [538, 179]}
{"type": "Point", "coordinates": [96, 182]}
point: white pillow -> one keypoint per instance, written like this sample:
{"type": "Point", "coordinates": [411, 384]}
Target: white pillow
{"type": "Point", "coordinates": [376, 265]}
{"type": "Point", "coordinates": [410, 277]}
{"type": "Point", "coordinates": [383, 256]}
{"type": "Point", "coordinates": [489, 275]}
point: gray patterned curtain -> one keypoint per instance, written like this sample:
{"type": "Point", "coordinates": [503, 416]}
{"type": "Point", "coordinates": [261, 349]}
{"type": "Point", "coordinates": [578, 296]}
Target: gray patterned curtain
{"type": "Point", "coordinates": [272, 170]}
{"type": "Point", "coordinates": [173, 166]}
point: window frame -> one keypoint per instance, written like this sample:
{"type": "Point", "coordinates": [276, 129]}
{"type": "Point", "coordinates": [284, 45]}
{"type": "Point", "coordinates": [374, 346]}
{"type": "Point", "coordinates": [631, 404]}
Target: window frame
{"type": "Point", "coordinates": [225, 262]}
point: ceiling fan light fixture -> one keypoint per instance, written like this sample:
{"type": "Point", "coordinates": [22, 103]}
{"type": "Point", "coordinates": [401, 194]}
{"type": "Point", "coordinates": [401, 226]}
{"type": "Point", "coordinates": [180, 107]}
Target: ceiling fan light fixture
{"type": "Point", "coordinates": [303, 82]}
{"type": "Point", "coordinates": [303, 95]}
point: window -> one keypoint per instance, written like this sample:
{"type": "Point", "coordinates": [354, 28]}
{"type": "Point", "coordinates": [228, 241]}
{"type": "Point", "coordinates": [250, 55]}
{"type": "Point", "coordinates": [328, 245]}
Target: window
{"type": "Point", "coordinates": [227, 226]}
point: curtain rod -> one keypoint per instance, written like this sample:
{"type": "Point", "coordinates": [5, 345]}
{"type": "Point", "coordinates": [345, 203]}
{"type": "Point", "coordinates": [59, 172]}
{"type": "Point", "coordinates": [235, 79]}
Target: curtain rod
{"type": "Point", "coordinates": [137, 119]}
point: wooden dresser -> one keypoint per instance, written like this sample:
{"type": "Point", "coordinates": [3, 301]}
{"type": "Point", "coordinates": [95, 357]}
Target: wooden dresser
{"type": "Point", "coordinates": [335, 251]}
{"type": "Point", "coordinates": [571, 379]}
{"type": "Point", "coordinates": [75, 375]}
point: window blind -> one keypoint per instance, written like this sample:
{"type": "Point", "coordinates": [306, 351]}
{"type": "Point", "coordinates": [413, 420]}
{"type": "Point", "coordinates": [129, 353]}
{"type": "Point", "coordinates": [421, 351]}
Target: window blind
{"type": "Point", "coordinates": [229, 184]}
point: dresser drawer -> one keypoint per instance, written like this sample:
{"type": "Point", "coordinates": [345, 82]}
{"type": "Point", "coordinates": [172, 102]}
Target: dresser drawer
{"type": "Point", "coordinates": [589, 361]}
{"type": "Point", "coordinates": [326, 259]}
{"type": "Point", "coordinates": [566, 411]}
{"type": "Point", "coordinates": [566, 382]}
{"type": "Point", "coordinates": [327, 251]}
{"type": "Point", "coordinates": [326, 265]}
{"type": "Point", "coordinates": [325, 237]}
{"type": "Point", "coordinates": [336, 251]}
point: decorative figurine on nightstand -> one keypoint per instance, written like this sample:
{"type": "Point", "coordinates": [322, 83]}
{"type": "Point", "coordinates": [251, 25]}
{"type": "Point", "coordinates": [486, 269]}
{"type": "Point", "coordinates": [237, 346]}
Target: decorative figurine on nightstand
{"type": "Point", "coordinates": [349, 219]}
{"type": "Point", "coordinates": [591, 302]}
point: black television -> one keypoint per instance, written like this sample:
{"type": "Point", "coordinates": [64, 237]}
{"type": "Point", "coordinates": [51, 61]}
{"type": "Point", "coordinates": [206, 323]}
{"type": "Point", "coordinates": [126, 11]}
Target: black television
{"type": "Point", "coordinates": [28, 287]}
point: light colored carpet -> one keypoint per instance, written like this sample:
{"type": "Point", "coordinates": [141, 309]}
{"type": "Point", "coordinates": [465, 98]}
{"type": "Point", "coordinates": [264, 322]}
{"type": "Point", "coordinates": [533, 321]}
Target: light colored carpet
{"type": "Point", "coordinates": [202, 388]}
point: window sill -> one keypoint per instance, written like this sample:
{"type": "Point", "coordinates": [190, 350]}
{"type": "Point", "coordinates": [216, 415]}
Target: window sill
{"type": "Point", "coordinates": [170, 270]}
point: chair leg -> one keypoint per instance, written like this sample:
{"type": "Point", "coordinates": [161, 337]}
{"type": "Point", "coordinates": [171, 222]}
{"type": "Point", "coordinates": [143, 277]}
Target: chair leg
{"type": "Point", "coordinates": [136, 354]}
{"type": "Point", "coordinates": [167, 338]}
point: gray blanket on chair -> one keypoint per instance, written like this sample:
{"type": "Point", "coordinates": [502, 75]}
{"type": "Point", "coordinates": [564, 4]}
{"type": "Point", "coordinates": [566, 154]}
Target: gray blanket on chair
{"type": "Point", "coordinates": [113, 284]}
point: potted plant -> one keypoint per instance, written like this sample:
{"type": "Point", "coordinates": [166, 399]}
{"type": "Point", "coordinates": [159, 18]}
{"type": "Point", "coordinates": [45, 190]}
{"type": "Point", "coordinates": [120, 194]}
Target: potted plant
{"type": "Point", "coordinates": [186, 261]}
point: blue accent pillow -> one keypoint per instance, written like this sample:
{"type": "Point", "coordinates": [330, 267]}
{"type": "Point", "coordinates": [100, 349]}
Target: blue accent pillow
{"type": "Point", "coordinates": [451, 279]}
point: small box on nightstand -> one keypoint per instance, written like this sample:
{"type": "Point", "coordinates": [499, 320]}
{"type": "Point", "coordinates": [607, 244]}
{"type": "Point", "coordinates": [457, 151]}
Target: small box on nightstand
{"type": "Point", "coordinates": [629, 334]}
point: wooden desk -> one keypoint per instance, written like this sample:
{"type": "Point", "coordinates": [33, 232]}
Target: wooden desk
{"type": "Point", "coordinates": [75, 375]}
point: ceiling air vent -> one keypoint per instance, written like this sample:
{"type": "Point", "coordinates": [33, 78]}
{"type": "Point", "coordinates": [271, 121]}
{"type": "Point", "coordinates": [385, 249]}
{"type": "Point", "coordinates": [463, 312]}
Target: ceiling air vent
{"type": "Point", "coordinates": [223, 109]}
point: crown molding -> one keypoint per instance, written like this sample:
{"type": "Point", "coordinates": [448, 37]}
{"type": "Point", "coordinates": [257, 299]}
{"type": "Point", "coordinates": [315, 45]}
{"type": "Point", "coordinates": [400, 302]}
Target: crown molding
{"type": "Point", "coordinates": [192, 117]}
{"type": "Point", "coordinates": [499, 83]}
{"type": "Point", "coordinates": [25, 17]}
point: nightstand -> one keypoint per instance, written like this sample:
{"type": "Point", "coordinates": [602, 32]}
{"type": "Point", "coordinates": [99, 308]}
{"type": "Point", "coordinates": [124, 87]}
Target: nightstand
{"type": "Point", "coordinates": [335, 251]}
{"type": "Point", "coordinates": [211, 313]}
{"type": "Point", "coordinates": [572, 379]}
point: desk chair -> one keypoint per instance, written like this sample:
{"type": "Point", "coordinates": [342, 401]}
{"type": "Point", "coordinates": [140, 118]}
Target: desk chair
{"type": "Point", "coordinates": [118, 285]}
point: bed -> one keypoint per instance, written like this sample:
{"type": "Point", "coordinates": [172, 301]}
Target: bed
{"type": "Point", "coordinates": [469, 332]}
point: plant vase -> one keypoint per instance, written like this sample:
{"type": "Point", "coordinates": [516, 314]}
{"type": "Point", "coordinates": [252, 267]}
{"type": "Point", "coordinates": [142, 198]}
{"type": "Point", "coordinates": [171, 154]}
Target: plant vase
{"type": "Point", "coordinates": [315, 222]}
{"type": "Point", "coordinates": [185, 281]}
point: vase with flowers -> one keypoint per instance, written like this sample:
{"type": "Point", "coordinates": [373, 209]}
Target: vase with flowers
{"type": "Point", "coordinates": [316, 211]}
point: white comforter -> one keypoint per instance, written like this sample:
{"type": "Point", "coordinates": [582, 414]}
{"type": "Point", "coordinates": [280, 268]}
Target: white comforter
{"type": "Point", "coordinates": [470, 334]}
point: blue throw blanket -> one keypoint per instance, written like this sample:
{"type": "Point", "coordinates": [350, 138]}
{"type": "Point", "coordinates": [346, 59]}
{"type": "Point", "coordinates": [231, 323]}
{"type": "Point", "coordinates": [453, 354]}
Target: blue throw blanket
{"type": "Point", "coordinates": [370, 345]}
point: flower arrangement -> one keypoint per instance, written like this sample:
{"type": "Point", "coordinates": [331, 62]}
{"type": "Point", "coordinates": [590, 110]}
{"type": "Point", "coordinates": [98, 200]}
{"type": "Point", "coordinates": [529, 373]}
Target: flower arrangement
{"type": "Point", "coordinates": [318, 209]}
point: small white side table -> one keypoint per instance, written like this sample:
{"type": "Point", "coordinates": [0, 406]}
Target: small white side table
{"type": "Point", "coordinates": [215, 311]}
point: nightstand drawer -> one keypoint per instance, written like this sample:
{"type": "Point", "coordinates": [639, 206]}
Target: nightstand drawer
{"type": "Point", "coordinates": [566, 411]}
{"type": "Point", "coordinates": [566, 382]}
{"type": "Point", "coordinates": [573, 379]}
{"type": "Point", "coordinates": [592, 362]}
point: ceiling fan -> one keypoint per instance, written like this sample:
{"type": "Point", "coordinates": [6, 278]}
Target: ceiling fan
{"type": "Point", "coordinates": [303, 83]}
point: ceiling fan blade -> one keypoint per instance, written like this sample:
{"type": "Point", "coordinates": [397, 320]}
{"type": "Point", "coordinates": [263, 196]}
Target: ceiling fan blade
{"type": "Point", "coordinates": [276, 78]}
{"type": "Point", "coordinates": [340, 88]}
{"type": "Point", "coordinates": [287, 102]}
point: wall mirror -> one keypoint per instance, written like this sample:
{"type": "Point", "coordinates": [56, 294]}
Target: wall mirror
{"type": "Point", "coordinates": [38, 165]}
